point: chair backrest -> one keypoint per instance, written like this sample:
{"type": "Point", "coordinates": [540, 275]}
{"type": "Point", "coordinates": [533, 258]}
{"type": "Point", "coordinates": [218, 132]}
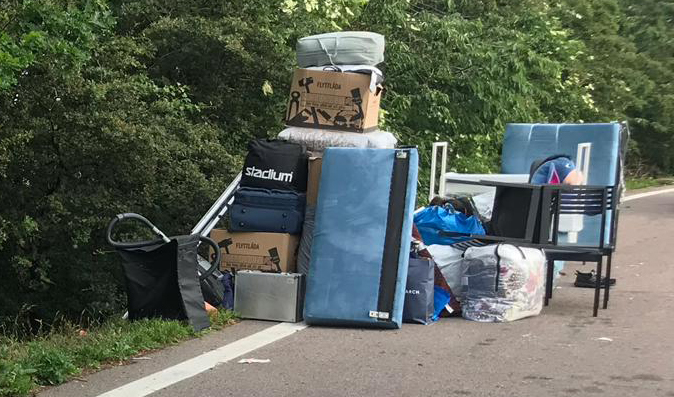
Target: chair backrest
{"type": "Point", "coordinates": [514, 219]}
{"type": "Point", "coordinates": [515, 212]}
{"type": "Point", "coordinates": [589, 201]}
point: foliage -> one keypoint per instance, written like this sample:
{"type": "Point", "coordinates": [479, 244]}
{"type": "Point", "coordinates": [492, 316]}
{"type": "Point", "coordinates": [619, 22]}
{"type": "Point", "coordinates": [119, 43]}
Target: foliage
{"type": "Point", "coordinates": [643, 183]}
{"type": "Point", "coordinates": [15, 379]}
{"type": "Point", "coordinates": [648, 24]}
{"type": "Point", "coordinates": [459, 71]}
{"type": "Point", "coordinates": [80, 144]}
{"type": "Point", "coordinates": [67, 350]}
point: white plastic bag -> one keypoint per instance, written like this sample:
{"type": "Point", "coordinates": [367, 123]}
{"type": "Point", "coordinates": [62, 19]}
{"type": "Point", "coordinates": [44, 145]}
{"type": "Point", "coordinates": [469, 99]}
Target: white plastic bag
{"type": "Point", "coordinates": [316, 140]}
{"type": "Point", "coordinates": [448, 260]}
{"type": "Point", "coordinates": [484, 203]}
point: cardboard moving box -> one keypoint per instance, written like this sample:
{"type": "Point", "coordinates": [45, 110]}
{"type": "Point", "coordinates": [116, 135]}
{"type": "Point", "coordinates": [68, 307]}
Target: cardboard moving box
{"type": "Point", "coordinates": [270, 252]}
{"type": "Point", "coordinates": [333, 100]}
{"type": "Point", "coordinates": [315, 165]}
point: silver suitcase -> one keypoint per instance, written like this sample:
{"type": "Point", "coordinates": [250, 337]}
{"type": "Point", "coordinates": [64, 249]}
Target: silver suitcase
{"type": "Point", "coordinates": [269, 296]}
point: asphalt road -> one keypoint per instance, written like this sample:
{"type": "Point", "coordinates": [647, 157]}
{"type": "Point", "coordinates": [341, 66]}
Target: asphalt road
{"type": "Point", "coordinates": [555, 354]}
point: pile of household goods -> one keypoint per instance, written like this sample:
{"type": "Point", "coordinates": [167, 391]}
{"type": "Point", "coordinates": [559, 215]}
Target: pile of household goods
{"type": "Point", "coordinates": [322, 226]}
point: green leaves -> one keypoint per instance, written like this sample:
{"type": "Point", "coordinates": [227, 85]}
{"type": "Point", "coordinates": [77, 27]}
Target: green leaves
{"type": "Point", "coordinates": [86, 134]}
{"type": "Point", "coordinates": [15, 379]}
{"type": "Point", "coordinates": [52, 365]}
{"type": "Point", "coordinates": [47, 29]}
{"type": "Point", "coordinates": [468, 68]}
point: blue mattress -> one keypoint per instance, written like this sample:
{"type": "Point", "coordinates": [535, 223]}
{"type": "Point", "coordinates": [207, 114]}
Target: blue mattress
{"type": "Point", "coordinates": [360, 250]}
{"type": "Point", "coordinates": [524, 143]}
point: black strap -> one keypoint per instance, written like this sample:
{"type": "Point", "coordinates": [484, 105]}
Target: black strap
{"type": "Point", "coordinates": [498, 267]}
{"type": "Point", "coordinates": [498, 262]}
{"type": "Point", "coordinates": [394, 226]}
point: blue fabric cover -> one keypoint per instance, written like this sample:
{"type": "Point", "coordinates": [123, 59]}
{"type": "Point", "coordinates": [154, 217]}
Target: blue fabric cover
{"type": "Point", "coordinates": [524, 143]}
{"type": "Point", "coordinates": [348, 244]}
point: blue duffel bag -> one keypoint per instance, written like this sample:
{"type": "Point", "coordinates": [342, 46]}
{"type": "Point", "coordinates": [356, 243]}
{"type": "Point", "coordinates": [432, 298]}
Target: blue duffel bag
{"type": "Point", "coordinates": [433, 219]}
{"type": "Point", "coordinates": [263, 210]}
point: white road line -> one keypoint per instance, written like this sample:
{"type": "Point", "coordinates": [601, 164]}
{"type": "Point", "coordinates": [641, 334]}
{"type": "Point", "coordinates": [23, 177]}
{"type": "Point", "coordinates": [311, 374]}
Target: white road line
{"type": "Point", "coordinates": [187, 369]}
{"type": "Point", "coordinates": [647, 194]}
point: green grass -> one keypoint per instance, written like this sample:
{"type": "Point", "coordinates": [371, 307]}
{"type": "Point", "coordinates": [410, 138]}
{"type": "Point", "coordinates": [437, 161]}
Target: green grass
{"type": "Point", "coordinates": [643, 183]}
{"type": "Point", "coordinates": [68, 351]}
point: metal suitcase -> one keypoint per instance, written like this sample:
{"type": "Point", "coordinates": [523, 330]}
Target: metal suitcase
{"type": "Point", "coordinates": [269, 296]}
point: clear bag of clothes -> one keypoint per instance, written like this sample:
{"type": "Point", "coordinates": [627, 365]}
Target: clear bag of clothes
{"type": "Point", "coordinates": [502, 283]}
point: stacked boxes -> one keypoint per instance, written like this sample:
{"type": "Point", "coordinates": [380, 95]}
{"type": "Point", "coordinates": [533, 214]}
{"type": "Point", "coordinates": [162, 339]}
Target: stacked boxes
{"type": "Point", "coordinates": [267, 214]}
{"type": "Point", "coordinates": [334, 101]}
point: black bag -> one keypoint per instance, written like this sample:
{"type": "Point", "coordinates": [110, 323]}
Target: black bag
{"type": "Point", "coordinates": [263, 210]}
{"type": "Point", "coordinates": [162, 280]}
{"type": "Point", "coordinates": [212, 288]}
{"type": "Point", "coordinates": [228, 288]}
{"type": "Point", "coordinates": [419, 291]}
{"type": "Point", "coordinates": [275, 164]}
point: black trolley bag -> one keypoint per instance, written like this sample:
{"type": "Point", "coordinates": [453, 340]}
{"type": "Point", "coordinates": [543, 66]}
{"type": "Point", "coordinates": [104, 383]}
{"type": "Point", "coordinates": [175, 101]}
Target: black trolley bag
{"type": "Point", "coordinates": [162, 276]}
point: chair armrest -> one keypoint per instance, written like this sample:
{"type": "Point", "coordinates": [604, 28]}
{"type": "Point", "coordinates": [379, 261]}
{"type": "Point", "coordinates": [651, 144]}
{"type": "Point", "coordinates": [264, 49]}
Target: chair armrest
{"type": "Point", "coordinates": [484, 237]}
{"type": "Point", "coordinates": [490, 183]}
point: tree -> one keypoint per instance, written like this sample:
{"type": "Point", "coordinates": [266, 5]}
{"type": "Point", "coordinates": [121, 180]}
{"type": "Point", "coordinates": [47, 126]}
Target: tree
{"type": "Point", "coordinates": [459, 71]}
{"type": "Point", "coordinates": [87, 134]}
{"type": "Point", "coordinates": [649, 25]}
{"type": "Point", "coordinates": [144, 107]}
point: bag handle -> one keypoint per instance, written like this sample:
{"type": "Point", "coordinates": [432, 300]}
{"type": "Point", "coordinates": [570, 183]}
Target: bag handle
{"type": "Point", "coordinates": [215, 263]}
{"type": "Point", "coordinates": [120, 217]}
{"type": "Point", "coordinates": [139, 244]}
{"type": "Point", "coordinates": [524, 256]}
{"type": "Point", "coordinates": [498, 262]}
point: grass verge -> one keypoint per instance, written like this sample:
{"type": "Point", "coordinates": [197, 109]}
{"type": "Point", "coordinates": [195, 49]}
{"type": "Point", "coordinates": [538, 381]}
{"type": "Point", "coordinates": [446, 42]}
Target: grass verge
{"type": "Point", "coordinates": [69, 351]}
{"type": "Point", "coordinates": [643, 183]}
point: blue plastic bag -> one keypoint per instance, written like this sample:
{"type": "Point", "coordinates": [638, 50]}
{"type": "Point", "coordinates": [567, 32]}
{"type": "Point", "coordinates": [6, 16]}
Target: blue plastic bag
{"type": "Point", "coordinates": [441, 298]}
{"type": "Point", "coordinates": [435, 218]}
